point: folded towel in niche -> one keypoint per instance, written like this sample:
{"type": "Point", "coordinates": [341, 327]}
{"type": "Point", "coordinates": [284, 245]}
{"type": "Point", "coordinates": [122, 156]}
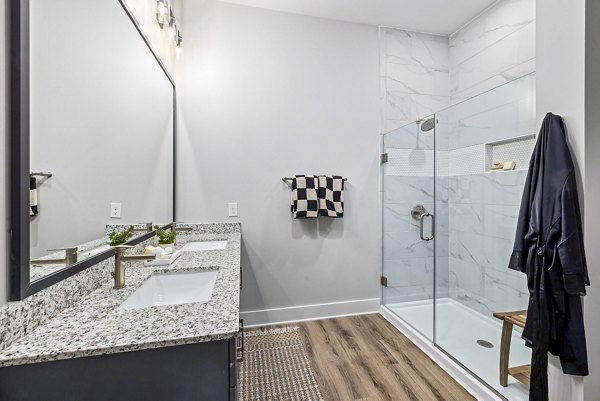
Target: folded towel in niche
{"type": "Point", "coordinates": [305, 203]}
{"type": "Point", "coordinates": [33, 198]}
{"type": "Point", "coordinates": [331, 196]}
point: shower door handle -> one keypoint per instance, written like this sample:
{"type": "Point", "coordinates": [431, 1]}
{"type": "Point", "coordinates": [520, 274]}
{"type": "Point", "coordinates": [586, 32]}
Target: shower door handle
{"type": "Point", "coordinates": [423, 237]}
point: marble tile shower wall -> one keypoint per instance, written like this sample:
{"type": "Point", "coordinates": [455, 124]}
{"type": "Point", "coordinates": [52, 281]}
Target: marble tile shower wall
{"type": "Point", "coordinates": [498, 115]}
{"type": "Point", "coordinates": [408, 260]}
{"type": "Point", "coordinates": [483, 206]}
{"type": "Point", "coordinates": [495, 48]}
{"type": "Point", "coordinates": [483, 218]}
{"type": "Point", "coordinates": [425, 74]}
{"type": "Point", "coordinates": [422, 74]}
{"type": "Point", "coordinates": [414, 84]}
{"type": "Point", "coordinates": [414, 74]}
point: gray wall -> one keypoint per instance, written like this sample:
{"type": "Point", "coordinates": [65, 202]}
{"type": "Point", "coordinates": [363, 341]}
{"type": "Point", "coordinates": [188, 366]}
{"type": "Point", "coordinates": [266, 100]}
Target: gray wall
{"type": "Point", "coordinates": [561, 90]}
{"type": "Point", "coordinates": [264, 95]}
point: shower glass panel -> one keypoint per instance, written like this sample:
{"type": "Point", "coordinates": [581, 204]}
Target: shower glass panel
{"type": "Point", "coordinates": [476, 223]}
{"type": "Point", "coordinates": [443, 171]}
{"type": "Point", "coordinates": [408, 204]}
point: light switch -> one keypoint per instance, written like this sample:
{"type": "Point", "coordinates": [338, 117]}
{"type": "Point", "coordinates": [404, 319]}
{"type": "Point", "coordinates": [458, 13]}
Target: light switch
{"type": "Point", "coordinates": [232, 207]}
{"type": "Point", "coordinates": [115, 210]}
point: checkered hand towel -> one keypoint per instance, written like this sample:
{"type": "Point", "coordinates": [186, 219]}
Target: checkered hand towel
{"type": "Point", "coordinates": [305, 203]}
{"type": "Point", "coordinates": [33, 197]}
{"type": "Point", "coordinates": [331, 196]}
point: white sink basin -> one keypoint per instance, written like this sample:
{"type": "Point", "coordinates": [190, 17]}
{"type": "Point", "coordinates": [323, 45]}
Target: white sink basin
{"type": "Point", "coordinates": [173, 288]}
{"type": "Point", "coordinates": [204, 246]}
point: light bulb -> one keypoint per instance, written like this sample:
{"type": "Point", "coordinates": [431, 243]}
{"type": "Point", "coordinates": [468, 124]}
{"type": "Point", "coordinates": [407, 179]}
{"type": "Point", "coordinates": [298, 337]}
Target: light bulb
{"type": "Point", "coordinates": [172, 31]}
{"type": "Point", "coordinates": [162, 9]}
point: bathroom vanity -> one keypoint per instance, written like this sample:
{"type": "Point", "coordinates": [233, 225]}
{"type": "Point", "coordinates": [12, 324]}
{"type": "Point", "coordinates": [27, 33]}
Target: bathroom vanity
{"type": "Point", "coordinates": [81, 142]}
{"type": "Point", "coordinates": [98, 350]}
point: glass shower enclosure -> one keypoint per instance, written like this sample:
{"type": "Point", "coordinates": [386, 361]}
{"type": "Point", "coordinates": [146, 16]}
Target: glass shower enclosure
{"type": "Point", "coordinates": [451, 198]}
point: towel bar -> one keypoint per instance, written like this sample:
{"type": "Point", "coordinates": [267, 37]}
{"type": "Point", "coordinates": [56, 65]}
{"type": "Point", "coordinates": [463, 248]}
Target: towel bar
{"type": "Point", "coordinates": [285, 179]}
{"type": "Point", "coordinates": [41, 174]}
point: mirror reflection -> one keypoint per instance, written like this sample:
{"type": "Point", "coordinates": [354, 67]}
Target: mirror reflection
{"type": "Point", "coordinates": [98, 98]}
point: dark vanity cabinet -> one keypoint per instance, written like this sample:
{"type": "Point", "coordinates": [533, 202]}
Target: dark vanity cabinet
{"type": "Point", "coordinates": [195, 372]}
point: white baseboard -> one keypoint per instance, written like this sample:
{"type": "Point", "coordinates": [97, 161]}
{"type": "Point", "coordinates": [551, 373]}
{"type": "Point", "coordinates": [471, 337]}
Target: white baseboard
{"type": "Point", "coordinates": [479, 390]}
{"type": "Point", "coordinates": [310, 312]}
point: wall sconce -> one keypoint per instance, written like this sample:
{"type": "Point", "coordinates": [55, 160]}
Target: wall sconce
{"type": "Point", "coordinates": [165, 17]}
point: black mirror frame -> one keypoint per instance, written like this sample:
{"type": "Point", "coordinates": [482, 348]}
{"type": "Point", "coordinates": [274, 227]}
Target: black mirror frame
{"type": "Point", "coordinates": [20, 284]}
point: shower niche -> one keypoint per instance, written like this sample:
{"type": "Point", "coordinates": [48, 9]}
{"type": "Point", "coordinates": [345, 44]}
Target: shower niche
{"type": "Point", "coordinates": [515, 150]}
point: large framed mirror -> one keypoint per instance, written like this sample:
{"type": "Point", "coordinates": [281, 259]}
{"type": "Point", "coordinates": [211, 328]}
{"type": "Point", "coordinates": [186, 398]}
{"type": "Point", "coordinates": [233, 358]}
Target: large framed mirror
{"type": "Point", "coordinates": [93, 132]}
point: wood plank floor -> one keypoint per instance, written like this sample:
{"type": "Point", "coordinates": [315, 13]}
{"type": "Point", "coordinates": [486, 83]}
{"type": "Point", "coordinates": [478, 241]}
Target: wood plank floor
{"type": "Point", "coordinates": [364, 358]}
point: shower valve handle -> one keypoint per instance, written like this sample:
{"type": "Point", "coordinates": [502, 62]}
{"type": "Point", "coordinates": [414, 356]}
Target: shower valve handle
{"type": "Point", "coordinates": [421, 219]}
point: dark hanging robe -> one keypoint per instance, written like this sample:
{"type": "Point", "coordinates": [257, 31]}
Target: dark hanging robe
{"type": "Point", "coordinates": [549, 249]}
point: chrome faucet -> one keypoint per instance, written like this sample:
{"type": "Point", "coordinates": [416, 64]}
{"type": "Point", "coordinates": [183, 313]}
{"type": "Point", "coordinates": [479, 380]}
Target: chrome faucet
{"type": "Point", "coordinates": [120, 259]}
{"type": "Point", "coordinates": [69, 259]}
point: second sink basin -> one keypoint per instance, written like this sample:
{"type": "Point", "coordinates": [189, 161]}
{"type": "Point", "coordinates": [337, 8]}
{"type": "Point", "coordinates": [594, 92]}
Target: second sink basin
{"type": "Point", "coordinates": [173, 288]}
{"type": "Point", "coordinates": [204, 246]}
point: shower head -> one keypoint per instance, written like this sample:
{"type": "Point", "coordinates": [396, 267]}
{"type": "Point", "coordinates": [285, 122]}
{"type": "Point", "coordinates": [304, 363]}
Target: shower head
{"type": "Point", "coordinates": [427, 125]}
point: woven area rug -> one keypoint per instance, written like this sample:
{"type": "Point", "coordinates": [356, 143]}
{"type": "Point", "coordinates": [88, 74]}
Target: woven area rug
{"type": "Point", "coordinates": [276, 368]}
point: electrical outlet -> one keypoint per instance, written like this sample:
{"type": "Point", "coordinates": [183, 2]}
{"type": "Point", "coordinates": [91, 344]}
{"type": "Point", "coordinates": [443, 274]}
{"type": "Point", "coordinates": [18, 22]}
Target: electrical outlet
{"type": "Point", "coordinates": [115, 210]}
{"type": "Point", "coordinates": [232, 207]}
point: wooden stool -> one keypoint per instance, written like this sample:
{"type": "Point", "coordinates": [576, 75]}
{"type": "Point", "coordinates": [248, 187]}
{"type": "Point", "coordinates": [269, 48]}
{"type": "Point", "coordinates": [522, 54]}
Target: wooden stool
{"type": "Point", "coordinates": [521, 373]}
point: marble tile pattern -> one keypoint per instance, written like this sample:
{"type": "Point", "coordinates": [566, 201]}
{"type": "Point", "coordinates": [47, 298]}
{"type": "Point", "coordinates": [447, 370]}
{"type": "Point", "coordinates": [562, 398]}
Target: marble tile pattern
{"type": "Point", "coordinates": [78, 317]}
{"type": "Point", "coordinates": [493, 49]}
{"type": "Point", "coordinates": [483, 218]}
{"type": "Point", "coordinates": [414, 77]}
{"type": "Point", "coordinates": [480, 82]}
{"type": "Point", "coordinates": [408, 261]}
{"type": "Point", "coordinates": [498, 115]}
{"type": "Point", "coordinates": [425, 74]}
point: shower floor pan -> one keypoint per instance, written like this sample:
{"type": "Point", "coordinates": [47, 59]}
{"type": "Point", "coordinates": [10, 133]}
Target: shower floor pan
{"type": "Point", "coordinates": [459, 328]}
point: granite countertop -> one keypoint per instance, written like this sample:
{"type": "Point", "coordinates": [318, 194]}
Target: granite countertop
{"type": "Point", "coordinates": [84, 251]}
{"type": "Point", "coordinates": [94, 325]}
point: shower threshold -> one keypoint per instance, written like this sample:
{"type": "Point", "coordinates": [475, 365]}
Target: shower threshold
{"type": "Point", "coordinates": [458, 330]}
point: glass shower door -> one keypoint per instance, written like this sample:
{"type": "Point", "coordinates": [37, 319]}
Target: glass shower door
{"type": "Point", "coordinates": [408, 206]}
{"type": "Point", "coordinates": [476, 215]}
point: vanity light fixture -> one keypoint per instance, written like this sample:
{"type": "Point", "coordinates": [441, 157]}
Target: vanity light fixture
{"type": "Point", "coordinates": [163, 12]}
{"type": "Point", "coordinates": [165, 17]}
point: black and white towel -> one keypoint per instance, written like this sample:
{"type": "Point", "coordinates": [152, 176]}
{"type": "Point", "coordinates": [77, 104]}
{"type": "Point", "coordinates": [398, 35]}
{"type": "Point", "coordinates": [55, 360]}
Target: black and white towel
{"type": "Point", "coordinates": [331, 196]}
{"type": "Point", "coordinates": [305, 203]}
{"type": "Point", "coordinates": [33, 197]}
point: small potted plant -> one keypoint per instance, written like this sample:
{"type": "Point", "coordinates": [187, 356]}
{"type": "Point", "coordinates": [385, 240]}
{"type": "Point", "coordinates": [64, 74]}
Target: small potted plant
{"type": "Point", "coordinates": [120, 237]}
{"type": "Point", "coordinates": [166, 238]}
